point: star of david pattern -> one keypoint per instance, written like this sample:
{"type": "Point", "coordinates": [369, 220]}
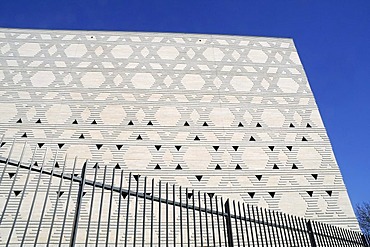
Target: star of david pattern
{"type": "Point", "coordinates": [225, 114]}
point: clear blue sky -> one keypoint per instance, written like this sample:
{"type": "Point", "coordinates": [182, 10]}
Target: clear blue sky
{"type": "Point", "coordinates": [332, 37]}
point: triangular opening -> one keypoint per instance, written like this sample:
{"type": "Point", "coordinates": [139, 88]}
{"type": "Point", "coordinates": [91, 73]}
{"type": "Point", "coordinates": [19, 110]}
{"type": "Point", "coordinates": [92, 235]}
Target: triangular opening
{"type": "Point", "coordinates": [11, 174]}
{"type": "Point", "coordinates": [186, 124]}
{"type": "Point", "coordinates": [150, 123]}
{"type": "Point", "coordinates": [289, 147]}
{"type": "Point", "coordinates": [178, 167]}
{"type": "Point", "coordinates": [205, 124]}
{"type": "Point", "coordinates": [130, 123]}
{"type": "Point", "coordinates": [291, 125]}
{"type": "Point", "coordinates": [330, 192]}
{"type": "Point", "coordinates": [56, 165]}
{"type": "Point", "coordinates": [310, 193]}
{"type": "Point", "coordinates": [259, 177]}
{"type": "Point", "coordinates": [35, 164]}
{"type": "Point", "coordinates": [60, 145]}
{"type": "Point", "coordinates": [98, 146]}
{"type": "Point", "coordinates": [84, 193]}
{"type": "Point", "coordinates": [82, 136]}
{"type": "Point", "coordinates": [158, 147]}
{"type": "Point", "coordinates": [252, 139]}
{"type": "Point", "coordinates": [75, 122]}
{"type": "Point", "coordinates": [196, 138]}
{"type": "Point", "coordinates": [272, 194]}
{"type": "Point", "coordinates": [271, 148]}
{"type": "Point", "coordinates": [40, 144]}
{"type": "Point", "coordinates": [136, 177]}
{"type": "Point", "coordinates": [304, 139]}
{"type": "Point", "coordinates": [24, 135]}
{"type": "Point", "coordinates": [124, 195]}
{"type": "Point", "coordinates": [17, 192]}
{"type": "Point", "coordinates": [117, 166]}
{"type": "Point", "coordinates": [60, 193]}
{"type": "Point", "coordinates": [189, 195]}
{"type": "Point", "coordinates": [238, 167]}
{"type": "Point", "coordinates": [240, 124]}
{"type": "Point", "coordinates": [275, 167]}
{"type": "Point", "coordinates": [235, 148]}
{"type": "Point", "coordinates": [38, 121]}
{"type": "Point", "coordinates": [157, 167]}
{"type": "Point", "coordinates": [96, 166]}
{"type": "Point", "coordinates": [251, 194]}
{"type": "Point", "coordinates": [258, 125]}
{"type": "Point", "coordinates": [216, 147]}
{"type": "Point", "coordinates": [139, 138]}
{"type": "Point", "coordinates": [19, 120]}
{"type": "Point", "coordinates": [308, 125]}
{"type": "Point", "coordinates": [178, 148]}
{"type": "Point", "coordinates": [294, 166]}
{"type": "Point", "coordinates": [119, 146]}
{"type": "Point", "coordinates": [199, 177]}
{"type": "Point", "coordinates": [211, 195]}
{"type": "Point", "coordinates": [218, 167]}
{"type": "Point", "coordinates": [2, 144]}
{"type": "Point", "coordinates": [93, 122]}
{"type": "Point", "coordinates": [315, 176]}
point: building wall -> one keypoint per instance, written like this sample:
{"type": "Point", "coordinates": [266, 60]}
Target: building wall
{"type": "Point", "coordinates": [235, 113]}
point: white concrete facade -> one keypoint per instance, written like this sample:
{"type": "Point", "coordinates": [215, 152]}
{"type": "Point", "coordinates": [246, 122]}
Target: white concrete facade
{"type": "Point", "coordinates": [236, 112]}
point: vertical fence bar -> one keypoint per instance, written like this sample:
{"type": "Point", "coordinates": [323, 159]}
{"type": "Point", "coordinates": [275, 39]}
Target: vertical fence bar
{"type": "Point", "coordinates": [277, 220]}
{"type": "Point", "coordinates": [236, 224]}
{"type": "Point", "coordinates": [174, 214]}
{"type": "Point", "coordinates": [241, 224]}
{"type": "Point", "coordinates": [91, 205]}
{"type": "Point", "coordinates": [205, 206]}
{"type": "Point", "coordinates": [291, 230]}
{"type": "Point", "coordinates": [200, 220]}
{"type": "Point", "coordinates": [101, 206]}
{"type": "Point", "coordinates": [264, 226]}
{"type": "Point", "coordinates": [45, 201]}
{"type": "Point", "coordinates": [298, 231]}
{"type": "Point", "coordinates": [187, 216]}
{"type": "Point", "coordinates": [119, 208]}
{"type": "Point", "coordinates": [223, 222]}
{"type": "Point", "coordinates": [110, 209]}
{"type": "Point", "coordinates": [255, 226]}
{"type": "Point", "coordinates": [195, 228]}
{"type": "Point", "coordinates": [159, 212]}
{"type": "Point", "coordinates": [56, 203]}
{"type": "Point", "coordinates": [33, 199]}
{"type": "Point", "coordinates": [152, 214]}
{"type": "Point", "coordinates": [218, 223]}
{"type": "Point", "coordinates": [136, 206]}
{"type": "Point", "coordinates": [13, 182]}
{"type": "Point", "coordinates": [144, 210]}
{"type": "Point", "coordinates": [268, 227]}
{"type": "Point", "coordinates": [273, 223]}
{"type": "Point", "coordinates": [67, 203]}
{"type": "Point", "coordinates": [246, 224]}
{"type": "Point", "coordinates": [181, 236]}
{"type": "Point", "coordinates": [213, 222]}
{"type": "Point", "coordinates": [311, 234]}
{"type": "Point", "coordinates": [166, 214]}
{"type": "Point", "coordinates": [228, 224]}
{"type": "Point", "coordinates": [78, 205]}
{"type": "Point", "coordinates": [250, 223]}
{"type": "Point", "coordinates": [7, 160]}
{"type": "Point", "coordinates": [22, 196]}
{"type": "Point", "coordinates": [128, 206]}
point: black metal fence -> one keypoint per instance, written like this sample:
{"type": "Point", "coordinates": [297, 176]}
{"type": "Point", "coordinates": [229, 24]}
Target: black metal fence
{"type": "Point", "coordinates": [96, 206]}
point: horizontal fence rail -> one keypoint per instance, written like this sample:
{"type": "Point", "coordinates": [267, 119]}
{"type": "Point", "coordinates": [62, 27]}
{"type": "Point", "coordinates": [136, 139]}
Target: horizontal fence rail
{"type": "Point", "coordinates": [92, 205]}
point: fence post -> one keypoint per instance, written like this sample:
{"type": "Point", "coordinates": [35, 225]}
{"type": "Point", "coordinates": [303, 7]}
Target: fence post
{"type": "Point", "coordinates": [78, 204]}
{"type": "Point", "coordinates": [311, 234]}
{"type": "Point", "coordinates": [228, 224]}
{"type": "Point", "coordinates": [364, 241]}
